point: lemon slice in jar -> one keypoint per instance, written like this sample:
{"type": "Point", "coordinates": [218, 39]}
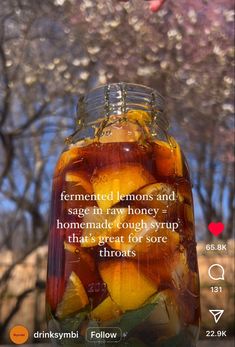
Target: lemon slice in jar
{"type": "Point", "coordinates": [161, 250]}
{"type": "Point", "coordinates": [158, 189]}
{"type": "Point", "coordinates": [114, 182]}
{"type": "Point", "coordinates": [184, 188]}
{"type": "Point", "coordinates": [106, 310]}
{"type": "Point", "coordinates": [66, 158]}
{"type": "Point", "coordinates": [163, 194]}
{"type": "Point", "coordinates": [131, 230]}
{"type": "Point", "coordinates": [152, 244]}
{"type": "Point", "coordinates": [130, 130]}
{"type": "Point", "coordinates": [91, 235]}
{"type": "Point", "coordinates": [79, 179]}
{"type": "Point", "coordinates": [127, 286]}
{"type": "Point", "coordinates": [74, 298]}
{"type": "Point", "coordinates": [168, 158]}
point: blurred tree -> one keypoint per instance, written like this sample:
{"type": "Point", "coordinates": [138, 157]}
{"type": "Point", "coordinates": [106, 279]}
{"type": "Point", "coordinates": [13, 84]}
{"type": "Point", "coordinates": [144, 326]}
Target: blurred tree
{"type": "Point", "coordinates": [51, 51]}
{"type": "Point", "coordinates": [159, 50]}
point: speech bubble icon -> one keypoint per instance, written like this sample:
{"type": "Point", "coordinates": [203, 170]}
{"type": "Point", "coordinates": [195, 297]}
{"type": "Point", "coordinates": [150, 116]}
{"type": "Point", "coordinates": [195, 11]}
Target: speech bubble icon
{"type": "Point", "coordinates": [216, 272]}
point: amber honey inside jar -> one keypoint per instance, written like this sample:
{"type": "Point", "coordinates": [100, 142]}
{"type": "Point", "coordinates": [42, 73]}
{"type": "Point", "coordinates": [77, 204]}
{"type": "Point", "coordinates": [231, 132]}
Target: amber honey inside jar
{"type": "Point", "coordinates": [122, 251]}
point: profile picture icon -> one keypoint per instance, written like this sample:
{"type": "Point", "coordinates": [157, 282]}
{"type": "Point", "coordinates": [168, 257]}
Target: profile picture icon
{"type": "Point", "coordinates": [19, 334]}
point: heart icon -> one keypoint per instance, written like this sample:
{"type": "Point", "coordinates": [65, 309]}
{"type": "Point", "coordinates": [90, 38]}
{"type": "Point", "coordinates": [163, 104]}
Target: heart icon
{"type": "Point", "coordinates": [216, 228]}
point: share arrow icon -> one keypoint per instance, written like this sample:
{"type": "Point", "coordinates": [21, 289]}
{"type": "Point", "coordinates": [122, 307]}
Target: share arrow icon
{"type": "Point", "coordinates": [216, 314]}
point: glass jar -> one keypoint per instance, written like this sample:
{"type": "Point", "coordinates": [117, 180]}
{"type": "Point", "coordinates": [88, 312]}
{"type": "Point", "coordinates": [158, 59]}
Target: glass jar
{"type": "Point", "coordinates": [122, 265]}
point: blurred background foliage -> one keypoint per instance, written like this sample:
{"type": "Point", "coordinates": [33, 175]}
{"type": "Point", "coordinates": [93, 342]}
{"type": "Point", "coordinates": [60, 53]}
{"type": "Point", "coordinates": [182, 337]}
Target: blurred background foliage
{"type": "Point", "coordinates": [53, 50]}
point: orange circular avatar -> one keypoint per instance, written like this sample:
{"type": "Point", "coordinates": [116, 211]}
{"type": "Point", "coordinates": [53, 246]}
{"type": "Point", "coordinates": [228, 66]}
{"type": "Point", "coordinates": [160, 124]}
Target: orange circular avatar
{"type": "Point", "coordinates": [19, 334]}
